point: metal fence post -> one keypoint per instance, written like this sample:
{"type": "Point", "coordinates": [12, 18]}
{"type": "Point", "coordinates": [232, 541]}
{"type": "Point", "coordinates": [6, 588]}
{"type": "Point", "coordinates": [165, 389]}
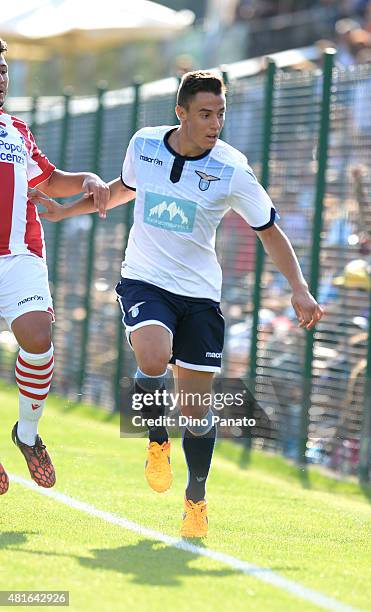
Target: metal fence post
{"type": "Point", "coordinates": [33, 118]}
{"type": "Point", "coordinates": [98, 129]}
{"type": "Point", "coordinates": [324, 129]}
{"type": "Point", "coordinates": [259, 251]}
{"type": "Point", "coordinates": [179, 79]}
{"type": "Point", "coordinates": [128, 214]}
{"type": "Point", "coordinates": [58, 231]}
{"type": "Point", "coordinates": [225, 77]}
{"type": "Point", "coordinates": [365, 446]}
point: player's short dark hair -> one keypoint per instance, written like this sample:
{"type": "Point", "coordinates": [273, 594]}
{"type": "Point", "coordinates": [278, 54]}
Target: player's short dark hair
{"type": "Point", "coordinates": [3, 46]}
{"type": "Point", "coordinates": [199, 80]}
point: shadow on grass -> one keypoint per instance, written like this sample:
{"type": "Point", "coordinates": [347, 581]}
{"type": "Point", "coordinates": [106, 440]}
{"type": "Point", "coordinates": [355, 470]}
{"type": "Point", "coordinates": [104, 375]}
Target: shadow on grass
{"type": "Point", "coordinates": [148, 562]}
{"type": "Point", "coordinates": [302, 474]}
{"type": "Point", "coordinates": [154, 563]}
{"type": "Point", "coordinates": [87, 410]}
{"type": "Point", "coordinates": [309, 476]}
{"type": "Point", "coordinates": [366, 490]}
{"type": "Point", "coordinates": [151, 562]}
{"type": "Point", "coordinates": [13, 538]}
{"type": "Point", "coordinates": [245, 456]}
{"type": "Point", "coordinates": [299, 472]}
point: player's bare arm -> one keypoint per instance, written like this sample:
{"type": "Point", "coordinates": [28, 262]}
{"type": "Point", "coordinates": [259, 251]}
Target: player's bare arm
{"type": "Point", "coordinates": [64, 184]}
{"type": "Point", "coordinates": [278, 247]}
{"type": "Point", "coordinates": [118, 194]}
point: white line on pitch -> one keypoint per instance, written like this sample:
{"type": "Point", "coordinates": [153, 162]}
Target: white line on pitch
{"type": "Point", "coordinates": [263, 574]}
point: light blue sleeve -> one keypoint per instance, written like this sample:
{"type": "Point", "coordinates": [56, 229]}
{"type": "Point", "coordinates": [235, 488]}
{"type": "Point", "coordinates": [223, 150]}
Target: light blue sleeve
{"type": "Point", "coordinates": [250, 200]}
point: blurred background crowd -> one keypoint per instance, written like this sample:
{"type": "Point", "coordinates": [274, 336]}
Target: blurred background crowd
{"type": "Point", "coordinates": [219, 32]}
{"type": "Point", "coordinates": [236, 34]}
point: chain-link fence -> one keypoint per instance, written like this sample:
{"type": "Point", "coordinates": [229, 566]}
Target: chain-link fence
{"type": "Point", "coordinates": [307, 134]}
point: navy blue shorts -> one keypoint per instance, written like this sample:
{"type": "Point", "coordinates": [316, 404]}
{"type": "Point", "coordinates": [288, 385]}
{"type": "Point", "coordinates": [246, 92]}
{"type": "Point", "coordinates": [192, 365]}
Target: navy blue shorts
{"type": "Point", "coordinates": [195, 324]}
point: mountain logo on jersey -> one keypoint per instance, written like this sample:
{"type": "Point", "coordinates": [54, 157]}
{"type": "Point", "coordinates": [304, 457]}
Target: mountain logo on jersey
{"type": "Point", "coordinates": [169, 213]}
{"type": "Point", "coordinates": [173, 209]}
{"type": "Point", "coordinates": [205, 180]}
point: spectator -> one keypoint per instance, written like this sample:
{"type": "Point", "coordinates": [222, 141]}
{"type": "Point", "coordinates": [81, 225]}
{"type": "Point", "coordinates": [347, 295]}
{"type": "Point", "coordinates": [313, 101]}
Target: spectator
{"type": "Point", "coordinates": [362, 102]}
{"type": "Point", "coordinates": [344, 29]}
{"type": "Point", "coordinates": [359, 40]}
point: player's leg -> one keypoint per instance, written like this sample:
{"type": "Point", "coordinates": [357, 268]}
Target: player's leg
{"type": "Point", "coordinates": [197, 351]}
{"type": "Point", "coordinates": [27, 307]}
{"type": "Point", "coordinates": [152, 347]}
{"type": "Point", "coordinates": [34, 372]}
{"type": "Point", "coordinates": [149, 320]}
{"type": "Point", "coordinates": [4, 480]}
{"type": "Point", "coordinates": [198, 446]}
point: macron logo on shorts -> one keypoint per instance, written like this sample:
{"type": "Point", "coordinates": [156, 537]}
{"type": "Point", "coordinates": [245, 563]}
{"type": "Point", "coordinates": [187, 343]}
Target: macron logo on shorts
{"type": "Point", "coordinates": [33, 298]}
{"type": "Point", "coordinates": [213, 355]}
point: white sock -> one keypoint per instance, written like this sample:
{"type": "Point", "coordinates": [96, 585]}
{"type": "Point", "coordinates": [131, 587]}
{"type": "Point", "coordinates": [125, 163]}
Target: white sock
{"type": "Point", "coordinates": [33, 373]}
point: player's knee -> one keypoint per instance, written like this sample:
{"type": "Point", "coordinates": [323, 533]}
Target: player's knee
{"type": "Point", "coordinates": [154, 363]}
{"type": "Point", "coordinates": [39, 341]}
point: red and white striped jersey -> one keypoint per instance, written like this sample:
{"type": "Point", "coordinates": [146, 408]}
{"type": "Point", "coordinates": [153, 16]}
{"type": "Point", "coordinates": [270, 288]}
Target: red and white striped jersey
{"type": "Point", "coordinates": [22, 165]}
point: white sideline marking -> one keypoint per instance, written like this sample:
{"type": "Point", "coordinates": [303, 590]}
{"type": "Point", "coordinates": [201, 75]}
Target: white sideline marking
{"type": "Point", "coordinates": [265, 575]}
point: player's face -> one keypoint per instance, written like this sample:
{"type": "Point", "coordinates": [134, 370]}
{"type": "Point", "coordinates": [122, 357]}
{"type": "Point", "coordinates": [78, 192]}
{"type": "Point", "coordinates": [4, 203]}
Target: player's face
{"type": "Point", "coordinates": [4, 79]}
{"type": "Point", "coordinates": [203, 119]}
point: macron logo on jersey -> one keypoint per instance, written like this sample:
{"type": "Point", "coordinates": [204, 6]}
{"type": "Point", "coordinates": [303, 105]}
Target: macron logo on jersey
{"type": "Point", "coordinates": [151, 160]}
{"type": "Point", "coordinates": [169, 213]}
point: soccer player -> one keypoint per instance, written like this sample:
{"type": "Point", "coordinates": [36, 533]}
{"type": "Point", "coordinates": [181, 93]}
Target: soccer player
{"type": "Point", "coordinates": [25, 301]}
{"type": "Point", "coordinates": [185, 179]}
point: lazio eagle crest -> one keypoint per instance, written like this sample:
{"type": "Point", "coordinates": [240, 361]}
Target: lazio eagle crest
{"type": "Point", "coordinates": [205, 180]}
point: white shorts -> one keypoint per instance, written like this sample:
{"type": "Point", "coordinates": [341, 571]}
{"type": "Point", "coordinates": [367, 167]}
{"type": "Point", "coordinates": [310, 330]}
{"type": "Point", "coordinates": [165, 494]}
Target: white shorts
{"type": "Point", "coordinates": [24, 286]}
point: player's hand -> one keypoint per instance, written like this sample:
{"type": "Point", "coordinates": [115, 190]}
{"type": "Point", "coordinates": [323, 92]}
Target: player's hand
{"type": "Point", "coordinates": [52, 210]}
{"type": "Point", "coordinates": [99, 190]}
{"type": "Point", "coordinates": [306, 308]}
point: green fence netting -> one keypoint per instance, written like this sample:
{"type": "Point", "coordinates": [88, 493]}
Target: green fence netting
{"type": "Point", "coordinates": [92, 356]}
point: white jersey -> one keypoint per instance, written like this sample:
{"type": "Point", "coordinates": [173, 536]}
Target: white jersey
{"type": "Point", "coordinates": [180, 202]}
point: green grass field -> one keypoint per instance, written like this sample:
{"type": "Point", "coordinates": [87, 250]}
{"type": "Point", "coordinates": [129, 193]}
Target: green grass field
{"type": "Point", "coordinates": [305, 527]}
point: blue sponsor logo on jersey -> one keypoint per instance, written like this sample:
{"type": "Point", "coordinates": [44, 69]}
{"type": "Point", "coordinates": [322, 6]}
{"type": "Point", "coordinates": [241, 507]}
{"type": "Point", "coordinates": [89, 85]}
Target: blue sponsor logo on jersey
{"type": "Point", "coordinates": [3, 133]}
{"type": "Point", "coordinates": [12, 152]}
{"type": "Point", "coordinates": [169, 213]}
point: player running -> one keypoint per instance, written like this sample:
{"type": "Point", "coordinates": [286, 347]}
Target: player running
{"type": "Point", "coordinates": [25, 301]}
{"type": "Point", "coordinates": [185, 179]}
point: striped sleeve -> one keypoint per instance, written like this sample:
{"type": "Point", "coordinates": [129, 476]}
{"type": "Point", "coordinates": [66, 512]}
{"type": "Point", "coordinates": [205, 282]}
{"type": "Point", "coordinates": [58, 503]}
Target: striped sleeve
{"type": "Point", "coordinates": [39, 167]}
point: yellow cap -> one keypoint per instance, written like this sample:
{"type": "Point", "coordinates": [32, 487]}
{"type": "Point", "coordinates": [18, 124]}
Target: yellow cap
{"type": "Point", "coordinates": [356, 275]}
